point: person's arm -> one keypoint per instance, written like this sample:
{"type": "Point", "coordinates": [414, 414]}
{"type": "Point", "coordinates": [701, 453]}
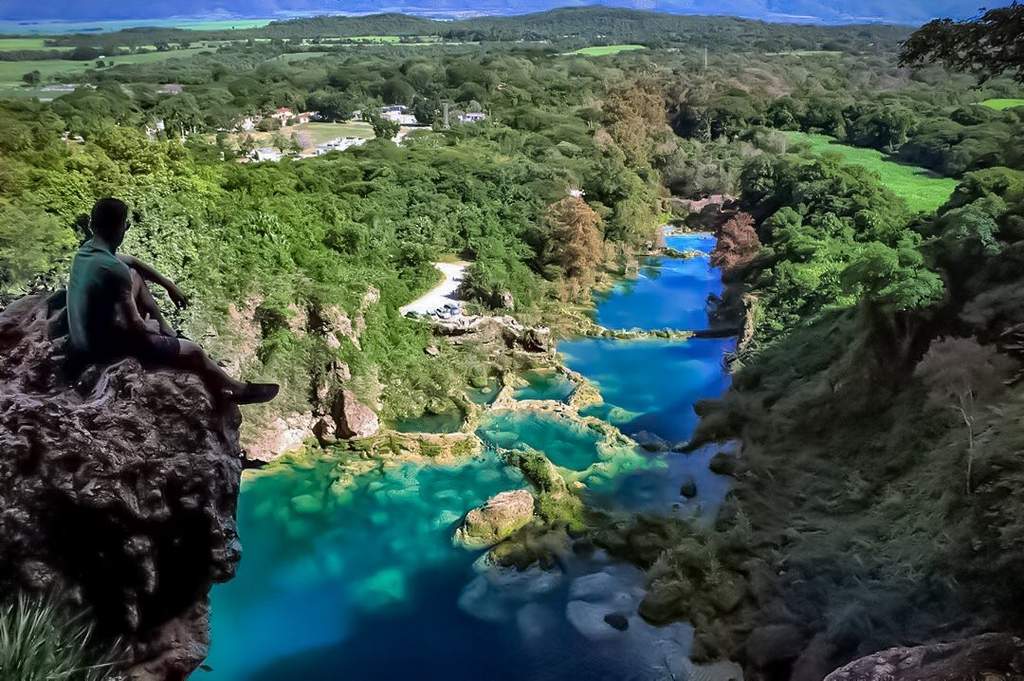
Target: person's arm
{"type": "Point", "coordinates": [133, 320]}
{"type": "Point", "coordinates": [149, 273]}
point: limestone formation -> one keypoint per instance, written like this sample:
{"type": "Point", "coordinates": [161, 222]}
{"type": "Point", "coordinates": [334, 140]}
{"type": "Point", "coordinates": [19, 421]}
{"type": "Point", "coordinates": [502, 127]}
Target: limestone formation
{"type": "Point", "coordinates": [500, 517]}
{"type": "Point", "coordinates": [352, 418]}
{"type": "Point", "coordinates": [117, 491]}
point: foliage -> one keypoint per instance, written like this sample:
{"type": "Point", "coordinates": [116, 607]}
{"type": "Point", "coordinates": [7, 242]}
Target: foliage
{"type": "Point", "coordinates": [986, 46]}
{"type": "Point", "coordinates": [41, 641]}
{"type": "Point", "coordinates": [960, 373]}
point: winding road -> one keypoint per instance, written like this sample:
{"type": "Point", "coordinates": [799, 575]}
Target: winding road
{"type": "Point", "coordinates": [443, 293]}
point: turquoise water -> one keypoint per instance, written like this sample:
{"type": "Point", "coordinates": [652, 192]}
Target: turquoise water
{"type": "Point", "coordinates": [668, 293]}
{"type": "Point", "coordinates": [545, 385]}
{"type": "Point", "coordinates": [566, 443]}
{"type": "Point", "coordinates": [357, 578]}
{"type": "Point", "coordinates": [484, 396]}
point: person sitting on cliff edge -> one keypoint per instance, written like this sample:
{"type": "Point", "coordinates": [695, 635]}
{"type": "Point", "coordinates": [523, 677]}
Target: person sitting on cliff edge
{"type": "Point", "coordinates": [108, 303]}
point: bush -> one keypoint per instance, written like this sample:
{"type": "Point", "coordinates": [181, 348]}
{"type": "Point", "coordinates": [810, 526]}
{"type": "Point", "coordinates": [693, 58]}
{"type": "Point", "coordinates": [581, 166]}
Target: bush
{"type": "Point", "coordinates": [41, 641]}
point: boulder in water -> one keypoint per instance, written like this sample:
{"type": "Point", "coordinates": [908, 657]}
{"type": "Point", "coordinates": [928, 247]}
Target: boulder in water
{"type": "Point", "coordinates": [117, 490]}
{"type": "Point", "coordinates": [499, 518]}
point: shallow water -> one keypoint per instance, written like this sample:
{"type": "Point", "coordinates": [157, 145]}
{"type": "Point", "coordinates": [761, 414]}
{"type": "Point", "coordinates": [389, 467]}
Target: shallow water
{"type": "Point", "coordinates": [565, 442]}
{"type": "Point", "coordinates": [361, 581]}
{"type": "Point", "coordinates": [447, 422]}
{"type": "Point", "coordinates": [545, 385]}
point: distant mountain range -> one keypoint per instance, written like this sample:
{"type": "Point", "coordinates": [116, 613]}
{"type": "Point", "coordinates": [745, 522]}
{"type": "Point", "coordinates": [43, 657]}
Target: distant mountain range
{"type": "Point", "coordinates": [802, 11]}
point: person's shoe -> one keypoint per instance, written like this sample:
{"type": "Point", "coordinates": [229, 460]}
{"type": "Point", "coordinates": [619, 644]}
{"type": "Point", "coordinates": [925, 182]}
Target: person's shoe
{"type": "Point", "coordinates": [253, 393]}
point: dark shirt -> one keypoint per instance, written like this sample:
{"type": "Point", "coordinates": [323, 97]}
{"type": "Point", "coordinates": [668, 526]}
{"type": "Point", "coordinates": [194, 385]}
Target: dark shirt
{"type": "Point", "coordinates": [96, 287]}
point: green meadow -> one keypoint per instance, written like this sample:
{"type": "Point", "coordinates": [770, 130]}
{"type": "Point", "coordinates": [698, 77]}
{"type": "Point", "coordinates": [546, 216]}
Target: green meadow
{"type": "Point", "coordinates": [604, 50]}
{"type": "Point", "coordinates": [13, 44]}
{"type": "Point", "coordinates": [12, 71]}
{"type": "Point", "coordinates": [1002, 104]}
{"type": "Point", "coordinates": [920, 188]}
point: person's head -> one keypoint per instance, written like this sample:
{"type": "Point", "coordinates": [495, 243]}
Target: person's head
{"type": "Point", "coordinates": [109, 220]}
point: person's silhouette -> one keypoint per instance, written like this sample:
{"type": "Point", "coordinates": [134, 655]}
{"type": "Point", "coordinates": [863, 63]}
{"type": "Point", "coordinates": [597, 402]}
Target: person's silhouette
{"type": "Point", "coordinates": [112, 314]}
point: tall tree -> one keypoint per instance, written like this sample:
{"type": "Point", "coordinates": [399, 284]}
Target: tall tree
{"type": "Point", "coordinates": [959, 373]}
{"type": "Point", "coordinates": [574, 242]}
{"type": "Point", "coordinates": [987, 46]}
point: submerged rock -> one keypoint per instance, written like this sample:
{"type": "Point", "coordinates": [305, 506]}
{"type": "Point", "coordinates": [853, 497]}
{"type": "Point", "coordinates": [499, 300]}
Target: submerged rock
{"type": "Point", "coordinates": [497, 519]}
{"type": "Point", "coordinates": [723, 463]}
{"type": "Point", "coordinates": [118, 491]}
{"type": "Point", "coordinates": [993, 657]}
{"type": "Point", "coordinates": [689, 487]}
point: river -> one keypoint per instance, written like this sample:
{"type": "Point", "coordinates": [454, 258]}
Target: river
{"type": "Point", "coordinates": [361, 581]}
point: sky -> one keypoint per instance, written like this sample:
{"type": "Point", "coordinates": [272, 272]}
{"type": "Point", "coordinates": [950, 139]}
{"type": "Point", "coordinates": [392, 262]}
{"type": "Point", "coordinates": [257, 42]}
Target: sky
{"type": "Point", "coordinates": [829, 11]}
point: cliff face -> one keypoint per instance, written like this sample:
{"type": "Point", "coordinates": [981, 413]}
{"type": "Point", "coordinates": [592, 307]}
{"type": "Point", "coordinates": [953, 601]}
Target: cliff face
{"type": "Point", "coordinates": [118, 490]}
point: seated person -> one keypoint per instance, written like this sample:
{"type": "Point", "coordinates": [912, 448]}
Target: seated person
{"type": "Point", "coordinates": [108, 300]}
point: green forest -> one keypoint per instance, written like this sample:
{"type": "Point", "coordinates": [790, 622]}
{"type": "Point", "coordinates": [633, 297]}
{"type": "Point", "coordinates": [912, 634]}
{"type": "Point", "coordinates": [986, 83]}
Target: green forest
{"type": "Point", "coordinates": [878, 255]}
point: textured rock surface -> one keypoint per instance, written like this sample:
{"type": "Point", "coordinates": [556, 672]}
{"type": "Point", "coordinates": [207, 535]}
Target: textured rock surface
{"type": "Point", "coordinates": [502, 515]}
{"type": "Point", "coordinates": [989, 657]}
{"type": "Point", "coordinates": [118, 491]}
{"type": "Point", "coordinates": [351, 418]}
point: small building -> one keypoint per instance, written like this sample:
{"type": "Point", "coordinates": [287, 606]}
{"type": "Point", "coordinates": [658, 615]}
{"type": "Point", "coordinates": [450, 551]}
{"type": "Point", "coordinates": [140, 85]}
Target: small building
{"type": "Point", "coordinates": [156, 128]}
{"type": "Point", "coordinates": [472, 117]}
{"type": "Point", "coordinates": [305, 117]}
{"type": "Point", "coordinates": [400, 118]}
{"type": "Point", "coordinates": [171, 89]}
{"type": "Point", "coordinates": [266, 154]}
{"type": "Point", "coordinates": [338, 144]}
{"type": "Point", "coordinates": [283, 115]}
{"type": "Point", "coordinates": [247, 124]}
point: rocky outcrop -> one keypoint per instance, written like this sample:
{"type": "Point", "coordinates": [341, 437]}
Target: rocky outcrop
{"type": "Point", "coordinates": [282, 435]}
{"type": "Point", "coordinates": [499, 518]}
{"type": "Point", "coordinates": [352, 418]}
{"type": "Point", "coordinates": [117, 491]}
{"type": "Point", "coordinates": [504, 329]}
{"type": "Point", "coordinates": [992, 657]}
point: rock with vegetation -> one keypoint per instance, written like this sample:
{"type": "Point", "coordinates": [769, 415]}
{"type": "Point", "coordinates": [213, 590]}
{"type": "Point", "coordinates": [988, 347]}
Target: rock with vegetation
{"type": "Point", "coordinates": [118, 492]}
{"type": "Point", "coordinates": [498, 519]}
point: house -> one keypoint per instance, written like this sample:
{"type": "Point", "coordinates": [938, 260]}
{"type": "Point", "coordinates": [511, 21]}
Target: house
{"type": "Point", "coordinates": [338, 144]}
{"type": "Point", "coordinates": [304, 117]}
{"type": "Point", "coordinates": [247, 124]}
{"type": "Point", "coordinates": [399, 113]}
{"type": "Point", "coordinates": [266, 154]}
{"type": "Point", "coordinates": [157, 127]}
{"type": "Point", "coordinates": [400, 118]}
{"type": "Point", "coordinates": [171, 89]}
{"type": "Point", "coordinates": [283, 115]}
{"type": "Point", "coordinates": [472, 117]}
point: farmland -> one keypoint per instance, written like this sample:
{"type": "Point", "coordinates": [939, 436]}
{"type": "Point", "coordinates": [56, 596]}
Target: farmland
{"type": "Point", "coordinates": [12, 71]}
{"type": "Point", "coordinates": [605, 50]}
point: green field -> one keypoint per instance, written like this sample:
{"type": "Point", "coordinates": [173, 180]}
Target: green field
{"type": "Point", "coordinates": [12, 71]}
{"type": "Point", "coordinates": [1002, 104]}
{"type": "Point", "coordinates": [604, 50]}
{"type": "Point", "coordinates": [12, 44]}
{"type": "Point", "coordinates": [920, 188]}
{"type": "Point", "coordinates": [298, 56]}
{"type": "Point", "coordinates": [804, 53]}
